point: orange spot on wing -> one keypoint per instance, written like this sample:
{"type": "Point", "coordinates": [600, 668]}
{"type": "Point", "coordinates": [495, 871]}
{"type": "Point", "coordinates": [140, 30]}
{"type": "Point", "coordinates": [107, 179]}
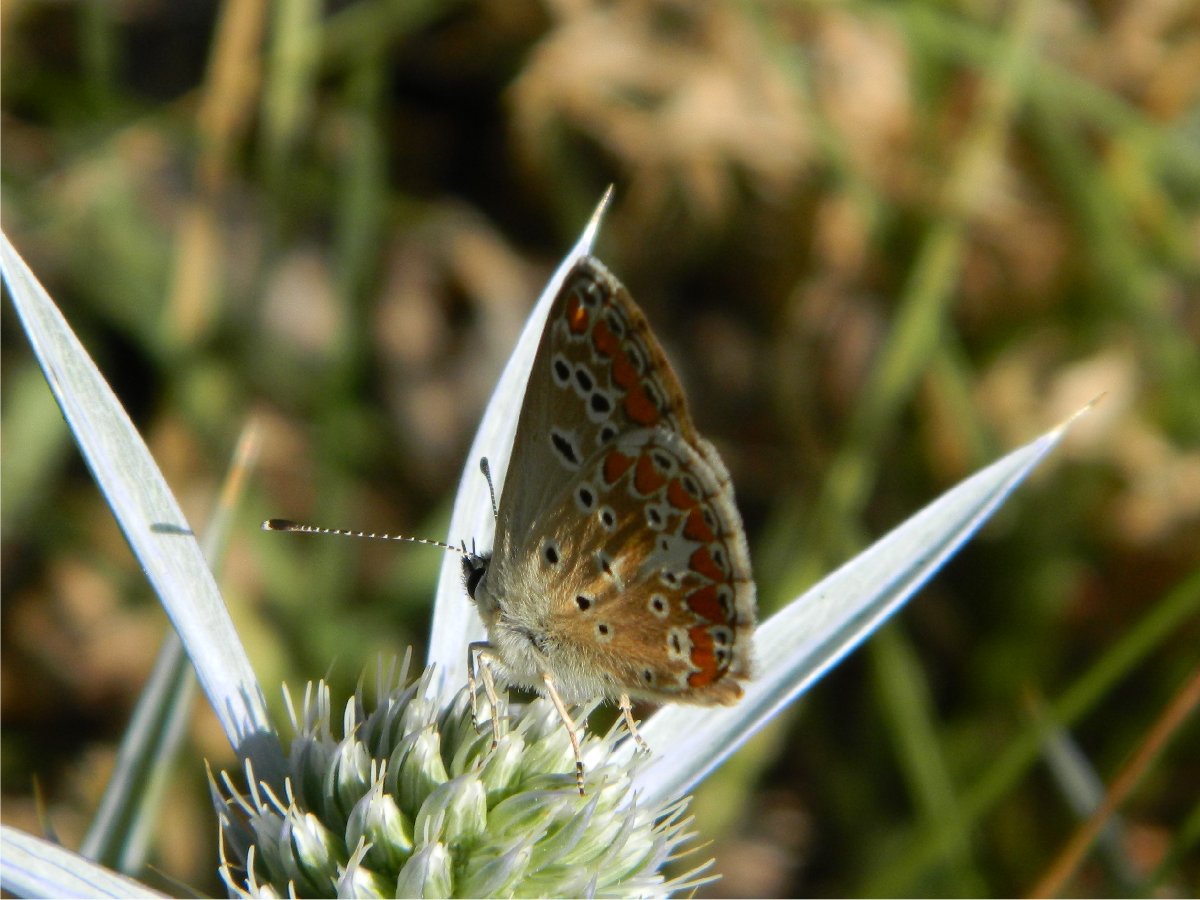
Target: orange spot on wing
{"type": "Point", "coordinates": [695, 528]}
{"type": "Point", "coordinates": [646, 478]}
{"type": "Point", "coordinates": [640, 407]}
{"type": "Point", "coordinates": [702, 658]}
{"type": "Point", "coordinates": [624, 375]}
{"type": "Point", "coordinates": [577, 316]}
{"type": "Point", "coordinates": [701, 562]}
{"type": "Point", "coordinates": [616, 464]}
{"type": "Point", "coordinates": [679, 498]}
{"type": "Point", "coordinates": [604, 340]}
{"type": "Point", "coordinates": [704, 603]}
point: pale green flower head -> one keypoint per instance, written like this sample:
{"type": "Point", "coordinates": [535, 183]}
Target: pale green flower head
{"type": "Point", "coordinates": [409, 798]}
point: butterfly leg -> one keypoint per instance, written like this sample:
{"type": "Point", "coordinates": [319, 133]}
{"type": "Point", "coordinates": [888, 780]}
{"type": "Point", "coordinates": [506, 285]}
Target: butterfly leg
{"type": "Point", "coordinates": [552, 693]}
{"type": "Point", "coordinates": [477, 653]}
{"type": "Point", "coordinates": [627, 714]}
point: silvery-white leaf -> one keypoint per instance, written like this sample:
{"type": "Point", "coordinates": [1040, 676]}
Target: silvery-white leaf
{"type": "Point", "coordinates": [800, 643]}
{"type": "Point", "coordinates": [37, 868]}
{"type": "Point", "coordinates": [148, 514]}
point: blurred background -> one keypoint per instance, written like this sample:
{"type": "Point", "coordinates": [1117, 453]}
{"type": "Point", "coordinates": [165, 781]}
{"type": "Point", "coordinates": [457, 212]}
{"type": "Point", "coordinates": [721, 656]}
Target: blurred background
{"type": "Point", "coordinates": [882, 242]}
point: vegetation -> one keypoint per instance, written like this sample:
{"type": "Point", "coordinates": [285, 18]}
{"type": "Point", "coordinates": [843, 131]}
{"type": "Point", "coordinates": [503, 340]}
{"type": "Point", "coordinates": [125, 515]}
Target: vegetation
{"type": "Point", "coordinates": [882, 242]}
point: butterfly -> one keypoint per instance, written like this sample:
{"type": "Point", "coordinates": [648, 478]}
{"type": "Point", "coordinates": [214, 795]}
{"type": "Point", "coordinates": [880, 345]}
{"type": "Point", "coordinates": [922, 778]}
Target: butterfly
{"type": "Point", "coordinates": [619, 568]}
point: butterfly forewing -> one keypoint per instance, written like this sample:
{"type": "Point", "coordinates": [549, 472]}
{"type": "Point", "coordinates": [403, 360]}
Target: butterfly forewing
{"type": "Point", "coordinates": [619, 555]}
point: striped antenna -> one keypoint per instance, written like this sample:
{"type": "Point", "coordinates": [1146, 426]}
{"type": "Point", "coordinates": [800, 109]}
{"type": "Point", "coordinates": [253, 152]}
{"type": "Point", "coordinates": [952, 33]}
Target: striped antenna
{"type": "Point", "coordinates": [298, 527]}
{"type": "Point", "coordinates": [487, 473]}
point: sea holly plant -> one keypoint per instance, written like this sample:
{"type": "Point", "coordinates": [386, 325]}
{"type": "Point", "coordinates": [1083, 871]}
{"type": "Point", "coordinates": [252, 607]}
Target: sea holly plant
{"type": "Point", "coordinates": [405, 796]}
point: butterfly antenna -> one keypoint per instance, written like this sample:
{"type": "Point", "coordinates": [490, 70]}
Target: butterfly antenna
{"type": "Point", "coordinates": [300, 528]}
{"type": "Point", "coordinates": [487, 473]}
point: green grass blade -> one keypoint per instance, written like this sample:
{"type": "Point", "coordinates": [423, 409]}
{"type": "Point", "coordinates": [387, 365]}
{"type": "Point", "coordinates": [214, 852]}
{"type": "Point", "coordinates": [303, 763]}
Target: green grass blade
{"type": "Point", "coordinates": [926, 848]}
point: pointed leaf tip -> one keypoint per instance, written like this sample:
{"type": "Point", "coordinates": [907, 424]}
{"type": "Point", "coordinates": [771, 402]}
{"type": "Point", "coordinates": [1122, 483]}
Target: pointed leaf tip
{"type": "Point", "coordinates": [592, 229]}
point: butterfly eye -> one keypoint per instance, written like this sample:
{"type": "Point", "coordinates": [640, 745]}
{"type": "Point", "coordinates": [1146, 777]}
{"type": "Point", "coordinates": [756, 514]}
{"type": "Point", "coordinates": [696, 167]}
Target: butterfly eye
{"type": "Point", "coordinates": [474, 568]}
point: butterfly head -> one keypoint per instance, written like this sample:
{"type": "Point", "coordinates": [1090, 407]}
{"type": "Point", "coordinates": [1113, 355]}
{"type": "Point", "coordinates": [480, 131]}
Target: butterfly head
{"type": "Point", "coordinates": [474, 565]}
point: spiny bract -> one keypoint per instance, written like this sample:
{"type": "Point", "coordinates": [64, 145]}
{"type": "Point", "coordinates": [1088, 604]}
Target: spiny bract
{"type": "Point", "coordinates": [413, 801]}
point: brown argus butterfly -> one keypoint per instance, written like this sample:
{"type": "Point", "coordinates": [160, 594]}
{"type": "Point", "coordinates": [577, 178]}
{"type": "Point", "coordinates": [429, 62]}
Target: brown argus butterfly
{"type": "Point", "coordinates": [619, 568]}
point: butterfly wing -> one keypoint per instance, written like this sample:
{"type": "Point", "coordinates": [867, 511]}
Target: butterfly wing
{"type": "Point", "coordinates": [620, 554]}
{"type": "Point", "coordinates": [575, 404]}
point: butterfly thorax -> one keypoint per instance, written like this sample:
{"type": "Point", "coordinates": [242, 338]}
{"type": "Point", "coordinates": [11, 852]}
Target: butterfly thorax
{"type": "Point", "coordinates": [530, 640]}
